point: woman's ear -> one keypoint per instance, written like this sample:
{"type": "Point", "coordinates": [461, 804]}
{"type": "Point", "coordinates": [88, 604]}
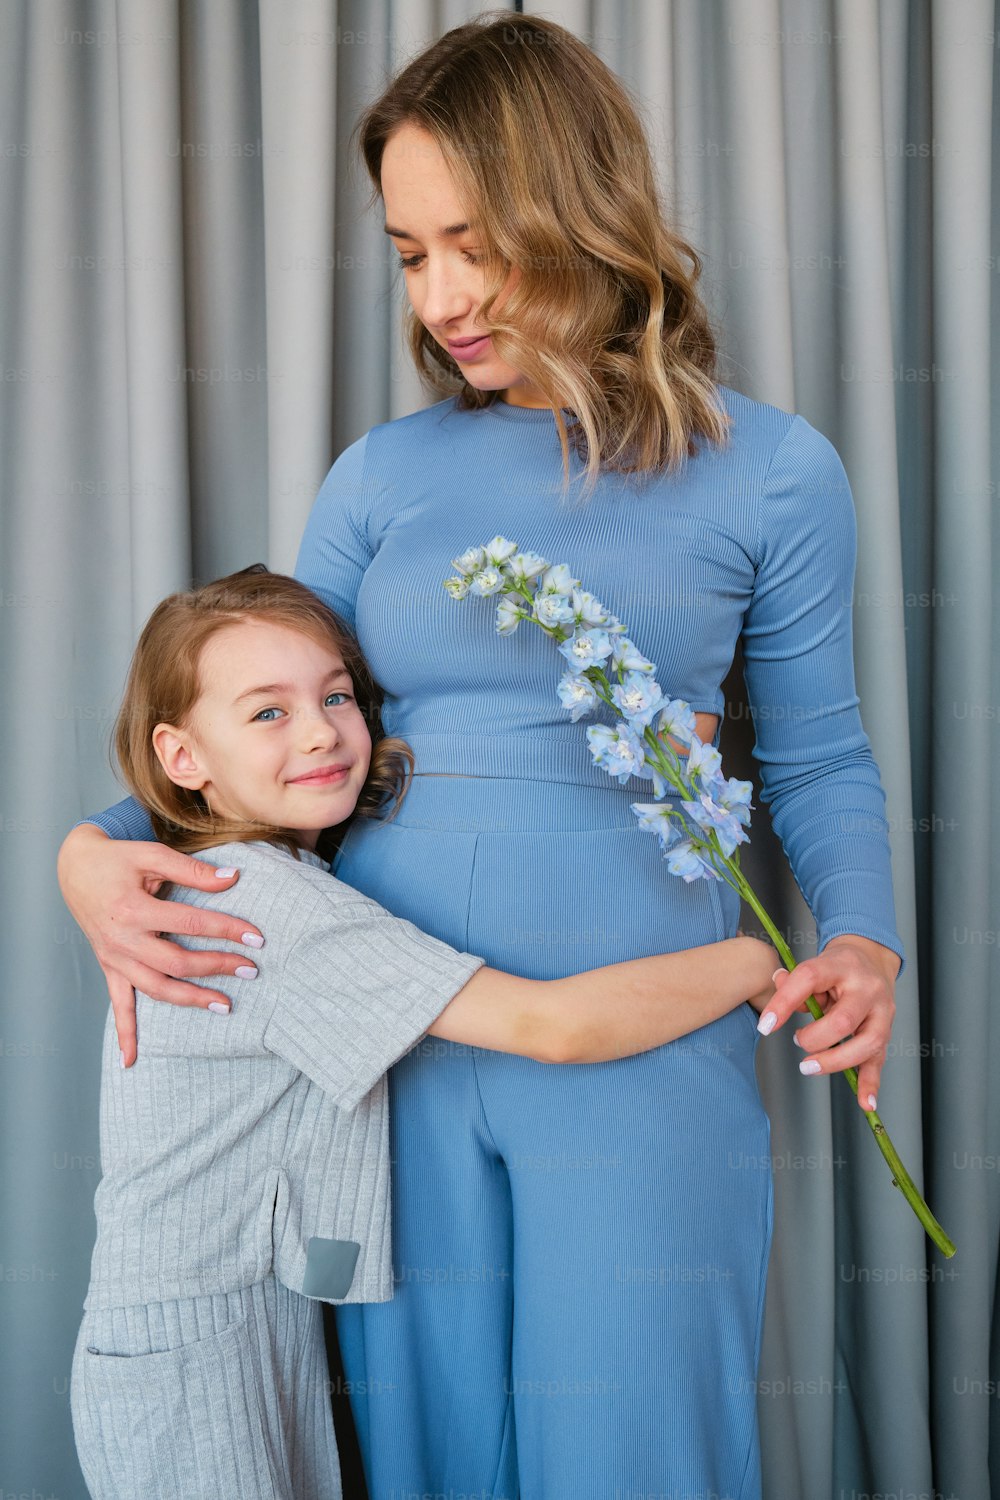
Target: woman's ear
{"type": "Point", "coordinates": [178, 757]}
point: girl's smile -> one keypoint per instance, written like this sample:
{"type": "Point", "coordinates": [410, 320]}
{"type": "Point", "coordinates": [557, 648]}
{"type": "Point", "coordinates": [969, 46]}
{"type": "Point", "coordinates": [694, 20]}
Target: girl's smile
{"type": "Point", "coordinates": [276, 735]}
{"type": "Point", "coordinates": [321, 778]}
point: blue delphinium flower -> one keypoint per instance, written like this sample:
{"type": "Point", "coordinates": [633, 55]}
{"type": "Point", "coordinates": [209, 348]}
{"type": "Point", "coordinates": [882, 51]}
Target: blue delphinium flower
{"type": "Point", "coordinates": [509, 613]}
{"type": "Point", "coordinates": [526, 566]}
{"type": "Point", "coordinates": [708, 814]}
{"type": "Point", "coordinates": [703, 760]}
{"type": "Point", "coordinates": [629, 658]}
{"type": "Point", "coordinates": [661, 785]}
{"type": "Point", "coordinates": [553, 609]}
{"type": "Point", "coordinates": [590, 612]}
{"type": "Point", "coordinates": [499, 551]}
{"type": "Point", "coordinates": [658, 818]}
{"type": "Point", "coordinates": [638, 698]}
{"type": "Point", "coordinates": [587, 648]}
{"type": "Point", "coordinates": [736, 796]}
{"type": "Point", "coordinates": [488, 580]}
{"type": "Point", "coordinates": [677, 720]}
{"type": "Point", "coordinates": [558, 580]}
{"type": "Point", "coordinates": [577, 695]}
{"type": "Point", "coordinates": [619, 750]}
{"type": "Point", "coordinates": [685, 860]}
{"type": "Point", "coordinates": [470, 562]}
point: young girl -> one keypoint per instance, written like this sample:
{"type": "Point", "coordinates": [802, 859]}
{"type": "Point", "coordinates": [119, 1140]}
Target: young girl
{"type": "Point", "coordinates": [245, 1155]}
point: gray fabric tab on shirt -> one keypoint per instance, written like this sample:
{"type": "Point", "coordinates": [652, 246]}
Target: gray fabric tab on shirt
{"type": "Point", "coordinates": [329, 1267]}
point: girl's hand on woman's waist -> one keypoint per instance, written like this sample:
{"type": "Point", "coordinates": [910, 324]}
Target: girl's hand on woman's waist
{"type": "Point", "coordinates": [109, 885]}
{"type": "Point", "coordinates": [762, 959]}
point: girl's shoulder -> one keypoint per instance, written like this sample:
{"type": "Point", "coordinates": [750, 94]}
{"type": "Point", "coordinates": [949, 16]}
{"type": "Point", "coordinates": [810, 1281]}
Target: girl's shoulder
{"type": "Point", "coordinates": [282, 894]}
{"type": "Point", "coordinates": [272, 872]}
{"type": "Point", "coordinates": [264, 869]}
{"type": "Point", "coordinates": [260, 852]}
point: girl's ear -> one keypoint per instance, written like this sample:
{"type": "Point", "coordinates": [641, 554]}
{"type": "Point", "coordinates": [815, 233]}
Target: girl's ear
{"type": "Point", "coordinates": [177, 756]}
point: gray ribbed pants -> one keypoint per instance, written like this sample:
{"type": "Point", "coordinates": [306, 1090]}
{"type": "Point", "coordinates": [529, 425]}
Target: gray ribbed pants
{"type": "Point", "coordinates": [221, 1397]}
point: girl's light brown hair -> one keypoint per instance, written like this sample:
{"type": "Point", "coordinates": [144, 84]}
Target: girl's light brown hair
{"type": "Point", "coordinates": [163, 687]}
{"type": "Point", "coordinates": [552, 165]}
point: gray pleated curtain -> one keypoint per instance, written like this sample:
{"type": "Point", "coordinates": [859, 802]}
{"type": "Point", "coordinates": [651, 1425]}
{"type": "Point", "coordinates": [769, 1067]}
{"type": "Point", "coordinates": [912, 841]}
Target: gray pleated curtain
{"type": "Point", "coordinates": [198, 314]}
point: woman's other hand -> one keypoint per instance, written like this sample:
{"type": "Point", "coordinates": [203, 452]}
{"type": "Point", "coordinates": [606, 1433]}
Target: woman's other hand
{"type": "Point", "coordinates": [109, 886]}
{"type": "Point", "coordinates": [858, 977]}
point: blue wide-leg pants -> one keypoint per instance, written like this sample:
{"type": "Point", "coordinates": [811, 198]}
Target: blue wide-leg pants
{"type": "Point", "coordinates": [580, 1252]}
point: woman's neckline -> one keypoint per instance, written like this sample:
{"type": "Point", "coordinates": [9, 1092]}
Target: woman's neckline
{"type": "Point", "coordinates": [521, 413]}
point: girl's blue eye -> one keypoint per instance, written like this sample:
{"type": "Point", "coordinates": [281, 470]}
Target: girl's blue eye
{"type": "Point", "coordinates": [266, 714]}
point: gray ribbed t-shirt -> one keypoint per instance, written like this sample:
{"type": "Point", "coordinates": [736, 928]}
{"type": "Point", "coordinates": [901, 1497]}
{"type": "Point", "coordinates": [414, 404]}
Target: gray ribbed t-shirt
{"type": "Point", "coordinates": [256, 1141]}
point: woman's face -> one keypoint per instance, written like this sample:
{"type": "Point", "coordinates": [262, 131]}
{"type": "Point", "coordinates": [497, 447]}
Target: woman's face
{"type": "Point", "coordinates": [439, 249]}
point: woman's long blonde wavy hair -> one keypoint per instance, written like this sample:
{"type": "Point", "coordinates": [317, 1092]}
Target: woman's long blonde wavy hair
{"type": "Point", "coordinates": [163, 687]}
{"type": "Point", "coordinates": [552, 165]}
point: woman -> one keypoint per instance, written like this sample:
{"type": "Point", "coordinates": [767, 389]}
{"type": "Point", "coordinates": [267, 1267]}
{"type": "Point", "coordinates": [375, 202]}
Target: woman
{"type": "Point", "coordinates": [580, 1254]}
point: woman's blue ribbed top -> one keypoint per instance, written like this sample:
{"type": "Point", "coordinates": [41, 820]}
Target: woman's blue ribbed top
{"type": "Point", "coordinates": [756, 538]}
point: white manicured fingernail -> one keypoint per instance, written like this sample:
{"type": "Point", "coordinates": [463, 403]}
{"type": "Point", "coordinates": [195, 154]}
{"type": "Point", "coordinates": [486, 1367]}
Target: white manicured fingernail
{"type": "Point", "coordinates": [796, 1039]}
{"type": "Point", "coordinates": [245, 971]}
{"type": "Point", "coordinates": [767, 1023]}
{"type": "Point", "coordinates": [776, 973]}
{"type": "Point", "coordinates": [252, 940]}
{"type": "Point", "coordinates": [121, 1058]}
{"type": "Point", "coordinates": [218, 1007]}
{"type": "Point", "coordinates": [224, 874]}
{"type": "Point", "coordinates": [871, 1100]}
{"type": "Point", "coordinates": [809, 1066]}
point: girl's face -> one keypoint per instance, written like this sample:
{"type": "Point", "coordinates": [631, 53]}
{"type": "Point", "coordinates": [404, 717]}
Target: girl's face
{"type": "Point", "coordinates": [439, 250]}
{"type": "Point", "coordinates": [276, 734]}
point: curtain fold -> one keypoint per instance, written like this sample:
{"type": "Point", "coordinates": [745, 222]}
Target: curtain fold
{"type": "Point", "coordinates": [964, 1113]}
{"type": "Point", "coordinates": [200, 313]}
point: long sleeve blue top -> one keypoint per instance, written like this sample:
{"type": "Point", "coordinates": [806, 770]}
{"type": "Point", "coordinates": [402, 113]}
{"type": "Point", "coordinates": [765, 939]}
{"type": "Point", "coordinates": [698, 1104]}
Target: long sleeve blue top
{"type": "Point", "coordinates": [756, 540]}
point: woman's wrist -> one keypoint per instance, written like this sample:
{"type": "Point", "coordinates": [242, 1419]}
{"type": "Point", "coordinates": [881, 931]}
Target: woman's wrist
{"type": "Point", "coordinates": [885, 959]}
{"type": "Point", "coordinates": [78, 840]}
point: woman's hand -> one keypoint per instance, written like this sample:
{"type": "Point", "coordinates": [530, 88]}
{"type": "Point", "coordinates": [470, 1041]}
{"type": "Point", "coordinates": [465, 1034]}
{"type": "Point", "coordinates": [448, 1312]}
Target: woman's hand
{"type": "Point", "coordinates": [853, 980]}
{"type": "Point", "coordinates": [109, 886]}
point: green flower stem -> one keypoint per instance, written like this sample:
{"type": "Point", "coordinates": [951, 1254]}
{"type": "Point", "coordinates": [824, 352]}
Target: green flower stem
{"type": "Point", "coordinates": [732, 873]}
{"type": "Point", "coordinates": [900, 1176]}
{"type": "Point", "coordinates": [668, 764]}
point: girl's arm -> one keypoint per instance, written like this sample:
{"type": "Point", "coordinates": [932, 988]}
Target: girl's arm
{"type": "Point", "coordinates": [613, 1011]}
{"type": "Point", "coordinates": [353, 988]}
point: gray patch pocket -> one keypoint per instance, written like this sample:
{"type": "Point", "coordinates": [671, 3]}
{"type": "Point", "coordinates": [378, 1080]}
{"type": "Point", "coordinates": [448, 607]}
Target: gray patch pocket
{"type": "Point", "coordinates": [329, 1267]}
